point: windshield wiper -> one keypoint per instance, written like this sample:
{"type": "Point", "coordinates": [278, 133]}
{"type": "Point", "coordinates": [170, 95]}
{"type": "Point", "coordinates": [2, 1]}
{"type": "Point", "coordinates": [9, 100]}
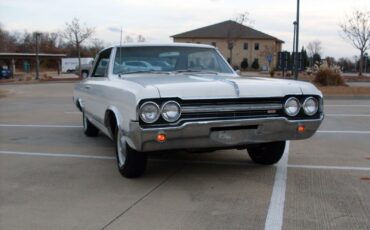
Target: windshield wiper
{"type": "Point", "coordinates": [195, 71]}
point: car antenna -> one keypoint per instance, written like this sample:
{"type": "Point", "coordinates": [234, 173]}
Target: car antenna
{"type": "Point", "coordinates": [120, 50]}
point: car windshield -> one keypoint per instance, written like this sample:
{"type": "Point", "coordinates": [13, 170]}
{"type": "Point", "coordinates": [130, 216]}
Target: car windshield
{"type": "Point", "coordinates": [169, 59]}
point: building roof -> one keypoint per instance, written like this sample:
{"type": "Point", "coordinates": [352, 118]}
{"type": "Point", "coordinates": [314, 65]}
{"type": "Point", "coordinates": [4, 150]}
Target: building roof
{"type": "Point", "coordinates": [227, 29]}
{"type": "Point", "coordinates": [22, 55]}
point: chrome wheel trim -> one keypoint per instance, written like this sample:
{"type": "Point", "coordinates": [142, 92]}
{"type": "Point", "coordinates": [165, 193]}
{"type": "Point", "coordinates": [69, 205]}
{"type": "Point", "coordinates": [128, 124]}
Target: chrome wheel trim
{"type": "Point", "coordinates": [121, 150]}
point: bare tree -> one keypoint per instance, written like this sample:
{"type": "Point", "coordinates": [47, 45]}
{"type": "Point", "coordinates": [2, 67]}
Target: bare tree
{"type": "Point", "coordinates": [313, 48]}
{"type": "Point", "coordinates": [140, 38]}
{"type": "Point", "coordinates": [96, 46]}
{"type": "Point", "coordinates": [356, 30]}
{"type": "Point", "coordinates": [234, 31]}
{"type": "Point", "coordinates": [7, 41]}
{"type": "Point", "coordinates": [76, 34]}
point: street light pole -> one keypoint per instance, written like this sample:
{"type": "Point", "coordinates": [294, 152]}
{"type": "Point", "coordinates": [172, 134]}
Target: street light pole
{"type": "Point", "coordinates": [296, 43]}
{"type": "Point", "coordinates": [37, 34]}
{"type": "Point", "coordinates": [293, 52]}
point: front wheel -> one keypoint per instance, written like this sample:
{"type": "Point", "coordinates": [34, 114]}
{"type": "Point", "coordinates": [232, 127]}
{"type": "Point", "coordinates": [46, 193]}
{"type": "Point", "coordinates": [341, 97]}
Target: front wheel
{"type": "Point", "coordinates": [130, 162]}
{"type": "Point", "coordinates": [89, 129]}
{"type": "Point", "coordinates": [266, 153]}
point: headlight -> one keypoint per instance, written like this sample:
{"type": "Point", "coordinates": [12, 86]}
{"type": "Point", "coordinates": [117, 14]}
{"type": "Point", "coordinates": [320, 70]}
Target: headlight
{"type": "Point", "coordinates": [149, 112]}
{"type": "Point", "coordinates": [292, 106]}
{"type": "Point", "coordinates": [171, 111]}
{"type": "Point", "coordinates": [310, 106]}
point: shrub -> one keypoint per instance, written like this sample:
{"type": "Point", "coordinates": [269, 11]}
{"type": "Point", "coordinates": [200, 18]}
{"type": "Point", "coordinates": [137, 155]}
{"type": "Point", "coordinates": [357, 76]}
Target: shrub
{"type": "Point", "coordinates": [244, 64]}
{"type": "Point", "coordinates": [328, 75]}
{"type": "Point", "coordinates": [255, 64]}
{"type": "Point", "coordinates": [235, 67]}
{"type": "Point", "coordinates": [272, 72]}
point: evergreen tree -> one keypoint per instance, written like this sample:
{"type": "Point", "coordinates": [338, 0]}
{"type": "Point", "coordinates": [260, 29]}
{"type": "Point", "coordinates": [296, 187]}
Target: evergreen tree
{"type": "Point", "coordinates": [255, 64]}
{"type": "Point", "coordinates": [305, 58]}
{"type": "Point", "coordinates": [244, 63]}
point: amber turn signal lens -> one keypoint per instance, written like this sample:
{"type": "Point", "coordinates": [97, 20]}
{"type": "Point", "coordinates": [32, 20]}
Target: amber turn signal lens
{"type": "Point", "coordinates": [301, 128]}
{"type": "Point", "coordinates": [161, 137]}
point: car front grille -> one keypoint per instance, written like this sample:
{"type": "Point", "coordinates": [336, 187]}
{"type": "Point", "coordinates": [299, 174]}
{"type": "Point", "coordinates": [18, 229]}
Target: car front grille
{"type": "Point", "coordinates": [224, 109]}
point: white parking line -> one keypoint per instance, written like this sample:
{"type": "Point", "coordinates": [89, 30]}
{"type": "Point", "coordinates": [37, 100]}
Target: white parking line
{"type": "Point", "coordinates": [343, 131]}
{"type": "Point", "coordinates": [226, 163]}
{"type": "Point", "coordinates": [274, 219]}
{"type": "Point", "coordinates": [78, 126]}
{"type": "Point", "coordinates": [329, 167]}
{"type": "Point", "coordinates": [347, 115]}
{"type": "Point", "coordinates": [346, 105]}
{"type": "Point", "coordinates": [41, 126]}
{"type": "Point", "coordinates": [56, 155]}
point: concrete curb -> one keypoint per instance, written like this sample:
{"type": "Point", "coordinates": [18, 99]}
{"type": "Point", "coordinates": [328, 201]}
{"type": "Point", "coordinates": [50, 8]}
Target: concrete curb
{"type": "Point", "coordinates": [40, 82]}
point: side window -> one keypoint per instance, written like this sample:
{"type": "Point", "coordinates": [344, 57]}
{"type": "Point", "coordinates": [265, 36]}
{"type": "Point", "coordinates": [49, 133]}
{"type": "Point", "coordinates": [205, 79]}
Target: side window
{"type": "Point", "coordinates": [256, 46]}
{"type": "Point", "coordinates": [245, 45]}
{"type": "Point", "coordinates": [101, 65]}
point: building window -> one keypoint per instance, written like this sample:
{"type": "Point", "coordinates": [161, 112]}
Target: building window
{"type": "Point", "coordinates": [256, 46]}
{"type": "Point", "coordinates": [213, 43]}
{"type": "Point", "coordinates": [245, 45]}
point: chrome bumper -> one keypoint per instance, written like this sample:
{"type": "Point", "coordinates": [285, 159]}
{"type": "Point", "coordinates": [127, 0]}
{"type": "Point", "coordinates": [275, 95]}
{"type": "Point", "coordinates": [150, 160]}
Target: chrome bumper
{"type": "Point", "coordinates": [201, 134]}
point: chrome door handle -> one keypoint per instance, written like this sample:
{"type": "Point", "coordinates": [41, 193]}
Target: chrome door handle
{"type": "Point", "coordinates": [87, 87]}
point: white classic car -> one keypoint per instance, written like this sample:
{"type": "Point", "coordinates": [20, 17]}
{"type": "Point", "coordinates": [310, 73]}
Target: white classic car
{"type": "Point", "coordinates": [192, 100]}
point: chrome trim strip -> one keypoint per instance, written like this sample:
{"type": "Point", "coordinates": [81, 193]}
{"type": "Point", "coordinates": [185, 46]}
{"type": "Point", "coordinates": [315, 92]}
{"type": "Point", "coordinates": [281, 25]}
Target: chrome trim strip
{"type": "Point", "coordinates": [229, 108]}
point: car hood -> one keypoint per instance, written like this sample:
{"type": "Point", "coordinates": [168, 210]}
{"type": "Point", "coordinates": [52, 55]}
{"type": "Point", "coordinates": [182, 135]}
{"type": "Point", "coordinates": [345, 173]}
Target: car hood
{"type": "Point", "coordinates": [194, 86]}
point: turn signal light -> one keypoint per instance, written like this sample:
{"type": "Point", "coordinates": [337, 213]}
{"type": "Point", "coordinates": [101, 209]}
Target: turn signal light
{"type": "Point", "coordinates": [161, 137]}
{"type": "Point", "coordinates": [301, 128]}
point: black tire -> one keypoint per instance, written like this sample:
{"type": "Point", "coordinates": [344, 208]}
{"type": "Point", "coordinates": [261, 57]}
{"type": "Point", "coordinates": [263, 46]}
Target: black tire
{"type": "Point", "coordinates": [266, 153]}
{"type": "Point", "coordinates": [89, 129]}
{"type": "Point", "coordinates": [130, 162]}
{"type": "Point", "coordinates": [84, 74]}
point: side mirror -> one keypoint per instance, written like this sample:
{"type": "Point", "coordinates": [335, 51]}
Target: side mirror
{"type": "Point", "coordinates": [237, 71]}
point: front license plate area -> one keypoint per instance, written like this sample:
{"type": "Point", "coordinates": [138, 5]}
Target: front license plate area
{"type": "Point", "coordinates": [231, 137]}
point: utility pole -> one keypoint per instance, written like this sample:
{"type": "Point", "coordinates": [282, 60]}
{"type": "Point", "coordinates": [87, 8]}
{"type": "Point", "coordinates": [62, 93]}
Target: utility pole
{"type": "Point", "coordinates": [296, 43]}
{"type": "Point", "coordinates": [37, 34]}
{"type": "Point", "coordinates": [293, 52]}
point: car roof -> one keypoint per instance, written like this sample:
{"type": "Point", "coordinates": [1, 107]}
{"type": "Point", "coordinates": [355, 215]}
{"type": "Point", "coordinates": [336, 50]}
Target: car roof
{"type": "Point", "coordinates": [145, 44]}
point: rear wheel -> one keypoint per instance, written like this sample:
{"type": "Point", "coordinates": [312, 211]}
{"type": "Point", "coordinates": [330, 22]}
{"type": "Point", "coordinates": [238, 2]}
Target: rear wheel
{"type": "Point", "coordinates": [266, 153]}
{"type": "Point", "coordinates": [84, 74]}
{"type": "Point", "coordinates": [89, 129]}
{"type": "Point", "coordinates": [130, 162]}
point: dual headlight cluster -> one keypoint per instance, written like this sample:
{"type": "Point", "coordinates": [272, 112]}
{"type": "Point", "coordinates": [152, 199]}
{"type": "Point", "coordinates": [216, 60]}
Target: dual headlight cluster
{"type": "Point", "coordinates": [150, 112]}
{"type": "Point", "coordinates": [310, 106]}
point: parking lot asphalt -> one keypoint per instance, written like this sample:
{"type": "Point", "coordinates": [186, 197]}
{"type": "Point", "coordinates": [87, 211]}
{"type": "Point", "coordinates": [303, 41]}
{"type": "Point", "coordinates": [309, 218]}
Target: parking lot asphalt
{"type": "Point", "coordinates": [54, 177]}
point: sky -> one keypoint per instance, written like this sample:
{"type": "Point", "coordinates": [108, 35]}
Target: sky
{"type": "Point", "coordinates": [157, 20]}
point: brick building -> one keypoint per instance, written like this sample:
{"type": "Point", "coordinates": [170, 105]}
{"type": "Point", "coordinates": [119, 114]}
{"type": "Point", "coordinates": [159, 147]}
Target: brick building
{"type": "Point", "coordinates": [246, 42]}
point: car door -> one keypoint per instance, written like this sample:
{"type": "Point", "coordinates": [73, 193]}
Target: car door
{"type": "Point", "coordinates": [95, 101]}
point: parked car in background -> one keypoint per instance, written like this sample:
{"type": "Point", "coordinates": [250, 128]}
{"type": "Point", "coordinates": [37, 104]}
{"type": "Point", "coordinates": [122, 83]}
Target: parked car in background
{"type": "Point", "coordinates": [69, 64]}
{"type": "Point", "coordinates": [195, 102]}
{"type": "Point", "coordinates": [85, 69]}
{"type": "Point", "coordinates": [5, 72]}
